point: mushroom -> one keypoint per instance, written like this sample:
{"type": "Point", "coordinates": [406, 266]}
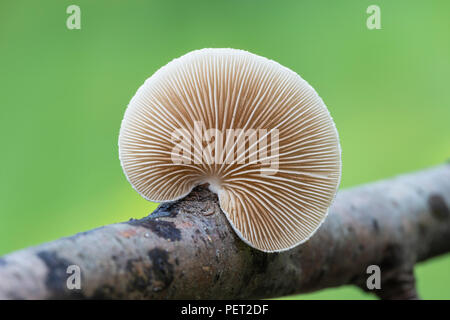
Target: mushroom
{"type": "Point", "coordinates": [250, 128]}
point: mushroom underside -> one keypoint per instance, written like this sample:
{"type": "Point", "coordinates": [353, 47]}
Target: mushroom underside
{"type": "Point", "coordinates": [255, 131]}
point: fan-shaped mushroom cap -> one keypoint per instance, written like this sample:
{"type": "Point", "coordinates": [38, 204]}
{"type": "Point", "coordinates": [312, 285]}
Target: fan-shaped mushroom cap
{"type": "Point", "coordinates": [254, 130]}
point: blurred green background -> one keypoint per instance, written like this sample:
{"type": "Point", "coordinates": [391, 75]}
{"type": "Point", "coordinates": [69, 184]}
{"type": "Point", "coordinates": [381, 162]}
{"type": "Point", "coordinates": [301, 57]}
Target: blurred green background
{"type": "Point", "coordinates": [64, 92]}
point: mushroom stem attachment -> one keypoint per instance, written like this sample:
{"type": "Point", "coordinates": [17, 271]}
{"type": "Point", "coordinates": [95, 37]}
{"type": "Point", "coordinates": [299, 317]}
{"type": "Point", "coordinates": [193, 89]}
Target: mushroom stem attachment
{"type": "Point", "coordinates": [214, 185]}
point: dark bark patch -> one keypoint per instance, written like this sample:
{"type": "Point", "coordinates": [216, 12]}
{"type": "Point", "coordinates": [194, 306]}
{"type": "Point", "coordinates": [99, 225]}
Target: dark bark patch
{"type": "Point", "coordinates": [260, 260]}
{"type": "Point", "coordinates": [321, 274]}
{"type": "Point", "coordinates": [163, 229]}
{"type": "Point", "coordinates": [105, 292]}
{"type": "Point", "coordinates": [140, 276]}
{"type": "Point", "coordinates": [165, 210]}
{"type": "Point", "coordinates": [376, 226]}
{"type": "Point", "coordinates": [259, 263]}
{"type": "Point", "coordinates": [438, 207]}
{"type": "Point", "coordinates": [56, 279]}
{"type": "Point", "coordinates": [392, 257]}
{"type": "Point", "coordinates": [422, 229]}
{"type": "Point", "coordinates": [162, 269]}
{"type": "Point", "coordinates": [355, 279]}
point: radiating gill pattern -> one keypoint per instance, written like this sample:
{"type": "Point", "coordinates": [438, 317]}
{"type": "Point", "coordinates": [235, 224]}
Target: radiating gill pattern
{"type": "Point", "coordinates": [273, 203]}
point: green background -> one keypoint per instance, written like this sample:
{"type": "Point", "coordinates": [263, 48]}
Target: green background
{"type": "Point", "coordinates": [64, 92]}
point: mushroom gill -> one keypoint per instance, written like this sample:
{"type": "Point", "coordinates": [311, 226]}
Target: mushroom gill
{"type": "Point", "coordinates": [255, 131]}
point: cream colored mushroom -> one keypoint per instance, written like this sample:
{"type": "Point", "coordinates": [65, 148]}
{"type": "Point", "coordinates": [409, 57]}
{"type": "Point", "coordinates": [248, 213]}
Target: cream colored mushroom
{"type": "Point", "coordinates": [255, 131]}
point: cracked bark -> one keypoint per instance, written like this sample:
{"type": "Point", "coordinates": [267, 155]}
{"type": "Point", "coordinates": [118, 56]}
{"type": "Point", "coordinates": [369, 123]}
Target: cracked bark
{"type": "Point", "coordinates": [187, 250]}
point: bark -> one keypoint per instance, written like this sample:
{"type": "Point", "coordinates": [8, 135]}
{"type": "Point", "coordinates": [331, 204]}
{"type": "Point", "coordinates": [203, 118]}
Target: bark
{"type": "Point", "coordinates": [187, 250]}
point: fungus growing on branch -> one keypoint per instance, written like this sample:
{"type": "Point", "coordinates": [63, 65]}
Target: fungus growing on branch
{"type": "Point", "coordinates": [255, 131]}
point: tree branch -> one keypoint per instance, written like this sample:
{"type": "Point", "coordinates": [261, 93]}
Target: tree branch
{"type": "Point", "coordinates": [188, 250]}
